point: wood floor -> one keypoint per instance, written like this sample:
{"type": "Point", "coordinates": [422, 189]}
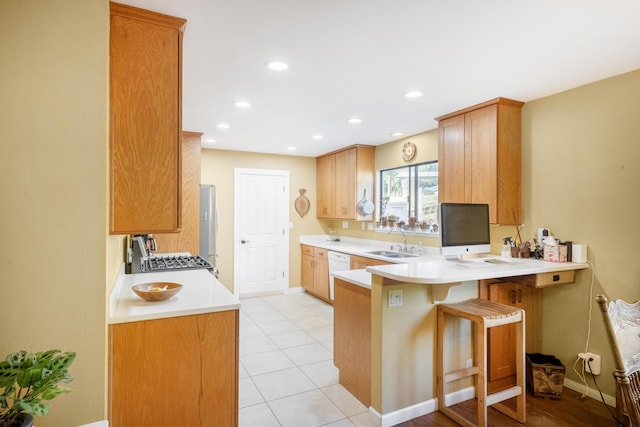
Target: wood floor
{"type": "Point", "coordinates": [568, 411]}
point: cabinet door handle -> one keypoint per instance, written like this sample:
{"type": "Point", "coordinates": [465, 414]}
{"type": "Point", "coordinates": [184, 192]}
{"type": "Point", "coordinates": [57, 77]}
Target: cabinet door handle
{"type": "Point", "coordinates": [513, 297]}
{"type": "Point", "coordinates": [519, 295]}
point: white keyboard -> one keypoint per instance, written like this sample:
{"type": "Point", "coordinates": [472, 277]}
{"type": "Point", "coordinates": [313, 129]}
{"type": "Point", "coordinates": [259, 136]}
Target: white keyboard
{"type": "Point", "coordinates": [473, 264]}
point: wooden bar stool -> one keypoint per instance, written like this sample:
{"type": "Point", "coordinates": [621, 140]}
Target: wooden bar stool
{"type": "Point", "coordinates": [484, 315]}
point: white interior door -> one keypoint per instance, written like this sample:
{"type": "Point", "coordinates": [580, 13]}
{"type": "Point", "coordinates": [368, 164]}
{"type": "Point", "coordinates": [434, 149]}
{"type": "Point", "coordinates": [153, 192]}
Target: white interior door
{"type": "Point", "coordinates": [261, 248]}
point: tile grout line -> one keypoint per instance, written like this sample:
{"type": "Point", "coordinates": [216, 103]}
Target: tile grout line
{"type": "Point", "coordinates": [322, 314]}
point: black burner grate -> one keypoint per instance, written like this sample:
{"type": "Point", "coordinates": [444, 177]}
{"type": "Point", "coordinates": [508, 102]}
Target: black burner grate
{"type": "Point", "coordinates": [178, 262]}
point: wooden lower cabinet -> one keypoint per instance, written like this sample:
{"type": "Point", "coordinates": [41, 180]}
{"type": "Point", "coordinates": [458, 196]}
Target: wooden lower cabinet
{"type": "Point", "coordinates": [180, 371]}
{"type": "Point", "coordinates": [518, 292]}
{"type": "Point", "coordinates": [352, 338]}
{"type": "Point", "coordinates": [315, 271]}
{"type": "Point", "coordinates": [360, 262]}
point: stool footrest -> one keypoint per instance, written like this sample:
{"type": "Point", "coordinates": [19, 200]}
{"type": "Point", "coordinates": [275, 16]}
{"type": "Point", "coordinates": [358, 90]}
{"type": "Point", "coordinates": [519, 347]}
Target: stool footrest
{"type": "Point", "coordinates": [462, 373]}
{"type": "Point", "coordinates": [494, 398]}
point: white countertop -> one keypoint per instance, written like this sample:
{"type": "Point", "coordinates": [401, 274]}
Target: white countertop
{"type": "Point", "coordinates": [362, 247]}
{"type": "Point", "coordinates": [357, 277]}
{"type": "Point", "coordinates": [440, 271]}
{"type": "Point", "coordinates": [431, 268]}
{"type": "Point", "coordinates": [201, 293]}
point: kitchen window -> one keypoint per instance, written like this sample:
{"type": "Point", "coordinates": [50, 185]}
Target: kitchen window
{"type": "Point", "coordinates": [409, 197]}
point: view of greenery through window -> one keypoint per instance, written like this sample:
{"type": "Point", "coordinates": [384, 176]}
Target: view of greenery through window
{"type": "Point", "coordinates": [409, 197]}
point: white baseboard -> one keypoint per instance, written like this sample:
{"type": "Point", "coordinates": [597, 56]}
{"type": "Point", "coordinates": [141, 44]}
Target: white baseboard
{"type": "Point", "coordinates": [431, 405]}
{"type": "Point", "coordinates": [296, 290]}
{"type": "Point", "coordinates": [592, 392]}
{"type": "Point", "coordinates": [422, 408]}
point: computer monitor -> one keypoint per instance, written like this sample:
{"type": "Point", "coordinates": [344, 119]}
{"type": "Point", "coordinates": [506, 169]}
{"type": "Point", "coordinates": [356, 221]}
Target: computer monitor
{"type": "Point", "coordinates": [464, 229]}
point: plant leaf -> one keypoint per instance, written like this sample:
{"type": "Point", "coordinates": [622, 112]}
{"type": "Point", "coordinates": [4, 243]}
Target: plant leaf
{"type": "Point", "coordinates": [33, 407]}
{"type": "Point", "coordinates": [62, 361]}
{"type": "Point", "coordinates": [54, 391]}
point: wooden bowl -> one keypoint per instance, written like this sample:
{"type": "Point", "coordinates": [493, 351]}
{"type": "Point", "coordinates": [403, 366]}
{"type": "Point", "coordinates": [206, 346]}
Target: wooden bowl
{"type": "Point", "coordinates": [156, 291]}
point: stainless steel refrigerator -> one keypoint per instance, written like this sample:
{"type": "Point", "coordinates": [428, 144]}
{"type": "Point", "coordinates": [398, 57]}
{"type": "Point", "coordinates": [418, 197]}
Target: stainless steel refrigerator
{"type": "Point", "coordinates": [208, 224]}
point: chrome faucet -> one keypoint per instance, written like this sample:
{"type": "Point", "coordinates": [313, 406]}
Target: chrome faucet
{"type": "Point", "coordinates": [404, 248]}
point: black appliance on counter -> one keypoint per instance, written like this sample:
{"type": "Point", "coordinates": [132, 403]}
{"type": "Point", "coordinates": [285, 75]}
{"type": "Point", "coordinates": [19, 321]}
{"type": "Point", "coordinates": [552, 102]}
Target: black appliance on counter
{"type": "Point", "coordinates": [140, 258]}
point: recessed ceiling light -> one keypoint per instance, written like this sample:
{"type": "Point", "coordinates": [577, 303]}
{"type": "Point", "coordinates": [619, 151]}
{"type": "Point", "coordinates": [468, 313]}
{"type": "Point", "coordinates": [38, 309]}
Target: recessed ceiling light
{"type": "Point", "coordinates": [223, 126]}
{"type": "Point", "coordinates": [210, 140]}
{"type": "Point", "coordinates": [354, 120]}
{"type": "Point", "coordinates": [242, 104]}
{"type": "Point", "coordinates": [317, 137]}
{"type": "Point", "coordinates": [397, 134]}
{"type": "Point", "coordinates": [291, 148]}
{"type": "Point", "coordinates": [414, 94]}
{"type": "Point", "coordinates": [277, 66]}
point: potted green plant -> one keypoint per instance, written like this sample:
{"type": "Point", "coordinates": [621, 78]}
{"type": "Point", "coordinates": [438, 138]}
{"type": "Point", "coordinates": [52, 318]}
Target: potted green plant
{"type": "Point", "coordinates": [27, 379]}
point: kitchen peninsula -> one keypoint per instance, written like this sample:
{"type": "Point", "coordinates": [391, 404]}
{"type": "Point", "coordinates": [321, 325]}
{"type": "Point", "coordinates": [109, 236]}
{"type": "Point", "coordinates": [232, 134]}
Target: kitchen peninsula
{"type": "Point", "coordinates": [402, 299]}
{"type": "Point", "coordinates": [173, 362]}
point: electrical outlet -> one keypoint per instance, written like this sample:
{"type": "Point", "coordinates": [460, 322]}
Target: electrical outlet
{"type": "Point", "coordinates": [592, 362]}
{"type": "Point", "coordinates": [345, 224]}
{"type": "Point", "coordinates": [469, 363]}
{"type": "Point", "coordinates": [395, 298]}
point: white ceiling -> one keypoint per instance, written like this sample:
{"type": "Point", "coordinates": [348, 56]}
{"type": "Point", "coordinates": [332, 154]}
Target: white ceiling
{"type": "Point", "coordinates": [358, 57]}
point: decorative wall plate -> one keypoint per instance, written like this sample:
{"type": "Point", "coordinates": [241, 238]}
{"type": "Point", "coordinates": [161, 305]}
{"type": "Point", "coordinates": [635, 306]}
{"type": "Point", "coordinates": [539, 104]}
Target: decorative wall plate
{"type": "Point", "coordinates": [302, 203]}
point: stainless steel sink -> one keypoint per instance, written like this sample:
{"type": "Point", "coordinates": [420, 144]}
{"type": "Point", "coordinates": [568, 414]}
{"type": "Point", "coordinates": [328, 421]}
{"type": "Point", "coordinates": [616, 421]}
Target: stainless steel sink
{"type": "Point", "coordinates": [391, 254]}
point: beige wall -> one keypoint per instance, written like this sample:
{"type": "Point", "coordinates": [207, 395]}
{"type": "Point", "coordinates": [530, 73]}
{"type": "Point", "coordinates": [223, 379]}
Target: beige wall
{"type": "Point", "coordinates": [218, 168]}
{"type": "Point", "coordinates": [54, 264]}
{"type": "Point", "coordinates": [580, 178]}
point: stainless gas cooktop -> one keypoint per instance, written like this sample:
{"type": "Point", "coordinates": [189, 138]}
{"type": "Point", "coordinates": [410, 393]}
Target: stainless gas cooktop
{"type": "Point", "coordinates": [177, 262]}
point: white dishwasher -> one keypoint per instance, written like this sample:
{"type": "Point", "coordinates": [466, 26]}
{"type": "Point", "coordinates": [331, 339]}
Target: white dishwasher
{"type": "Point", "coordinates": [337, 262]}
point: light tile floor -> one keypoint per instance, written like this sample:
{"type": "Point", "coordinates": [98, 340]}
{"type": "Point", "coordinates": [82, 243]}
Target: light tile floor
{"type": "Point", "coordinates": [287, 376]}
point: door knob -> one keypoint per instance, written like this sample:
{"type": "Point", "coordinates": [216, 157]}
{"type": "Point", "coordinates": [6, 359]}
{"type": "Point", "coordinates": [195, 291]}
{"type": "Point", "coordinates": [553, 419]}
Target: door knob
{"type": "Point", "coordinates": [244, 241]}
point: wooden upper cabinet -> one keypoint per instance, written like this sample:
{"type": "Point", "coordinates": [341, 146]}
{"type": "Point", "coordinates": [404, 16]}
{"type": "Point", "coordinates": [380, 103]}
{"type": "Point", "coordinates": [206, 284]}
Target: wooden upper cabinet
{"type": "Point", "coordinates": [342, 178]}
{"type": "Point", "coordinates": [346, 183]}
{"type": "Point", "coordinates": [451, 159]}
{"type": "Point", "coordinates": [145, 121]}
{"type": "Point", "coordinates": [479, 158]}
{"type": "Point", "coordinates": [325, 181]}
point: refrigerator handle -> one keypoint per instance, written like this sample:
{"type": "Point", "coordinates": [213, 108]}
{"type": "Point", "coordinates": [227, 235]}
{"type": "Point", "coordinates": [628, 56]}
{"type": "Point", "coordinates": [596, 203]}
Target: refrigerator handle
{"type": "Point", "coordinates": [215, 225]}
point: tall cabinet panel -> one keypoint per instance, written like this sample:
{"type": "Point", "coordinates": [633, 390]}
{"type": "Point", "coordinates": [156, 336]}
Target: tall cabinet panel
{"type": "Point", "coordinates": [342, 178]}
{"type": "Point", "coordinates": [146, 122]}
{"type": "Point", "coordinates": [187, 240]}
{"type": "Point", "coordinates": [479, 158]}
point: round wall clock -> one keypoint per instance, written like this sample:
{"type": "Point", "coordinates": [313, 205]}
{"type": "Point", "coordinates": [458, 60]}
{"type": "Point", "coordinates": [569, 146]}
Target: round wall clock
{"type": "Point", "coordinates": [409, 151]}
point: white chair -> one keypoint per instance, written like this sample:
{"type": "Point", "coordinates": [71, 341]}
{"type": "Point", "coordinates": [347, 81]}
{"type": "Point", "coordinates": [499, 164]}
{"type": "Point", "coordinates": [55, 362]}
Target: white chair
{"type": "Point", "coordinates": [622, 321]}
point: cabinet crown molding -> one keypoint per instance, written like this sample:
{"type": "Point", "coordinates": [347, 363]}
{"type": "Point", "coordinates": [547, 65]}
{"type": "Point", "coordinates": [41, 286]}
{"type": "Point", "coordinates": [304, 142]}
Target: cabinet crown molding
{"type": "Point", "coordinates": [499, 101]}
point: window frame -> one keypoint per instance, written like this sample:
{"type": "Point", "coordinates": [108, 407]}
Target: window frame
{"type": "Point", "coordinates": [414, 191]}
